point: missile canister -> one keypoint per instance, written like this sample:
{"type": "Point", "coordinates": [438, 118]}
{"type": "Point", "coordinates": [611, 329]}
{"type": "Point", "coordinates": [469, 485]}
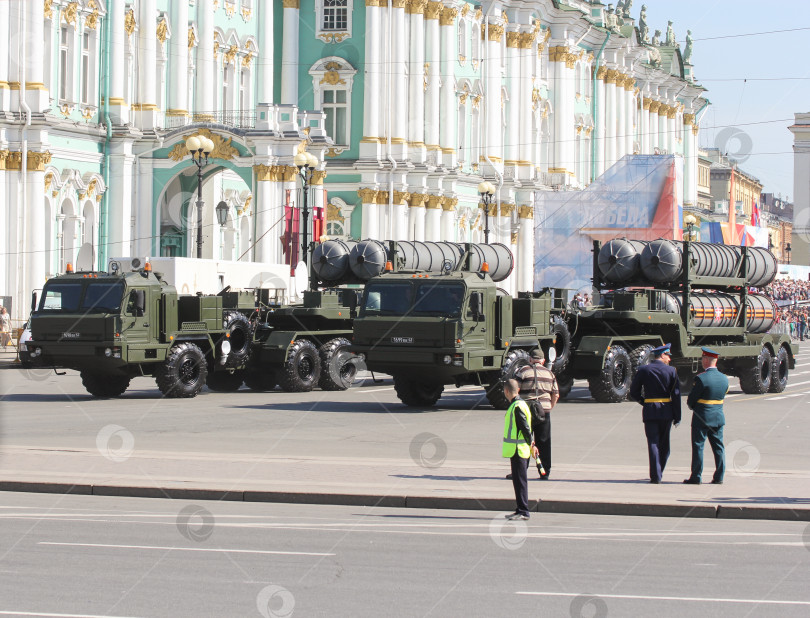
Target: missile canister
{"type": "Point", "coordinates": [330, 259]}
{"type": "Point", "coordinates": [718, 309]}
{"type": "Point", "coordinates": [620, 259]}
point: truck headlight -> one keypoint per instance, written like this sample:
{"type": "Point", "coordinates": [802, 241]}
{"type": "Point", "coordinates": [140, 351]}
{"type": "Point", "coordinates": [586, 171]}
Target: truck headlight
{"type": "Point", "coordinates": [447, 359]}
{"type": "Point", "coordinates": [108, 352]}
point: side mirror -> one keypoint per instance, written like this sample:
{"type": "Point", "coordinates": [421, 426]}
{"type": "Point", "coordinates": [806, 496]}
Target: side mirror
{"type": "Point", "coordinates": [551, 356]}
{"type": "Point", "coordinates": [140, 302]}
{"type": "Point", "coordinates": [33, 301]}
{"type": "Point", "coordinates": [477, 306]}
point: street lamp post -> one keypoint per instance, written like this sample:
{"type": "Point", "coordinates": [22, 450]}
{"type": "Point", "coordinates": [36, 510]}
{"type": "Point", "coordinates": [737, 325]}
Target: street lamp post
{"type": "Point", "coordinates": [486, 190]}
{"type": "Point", "coordinates": [222, 219]}
{"type": "Point", "coordinates": [690, 222]}
{"type": "Point", "coordinates": [199, 147]}
{"type": "Point", "coordinates": [306, 164]}
{"type": "Point", "coordinates": [787, 248]}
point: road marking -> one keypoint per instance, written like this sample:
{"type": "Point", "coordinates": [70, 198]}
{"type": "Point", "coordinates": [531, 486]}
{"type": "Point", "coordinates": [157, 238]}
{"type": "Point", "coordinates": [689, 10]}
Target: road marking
{"type": "Point", "coordinates": [788, 396]}
{"type": "Point", "coordinates": [656, 598]}
{"type": "Point", "coordinates": [9, 613]}
{"type": "Point", "coordinates": [208, 549]}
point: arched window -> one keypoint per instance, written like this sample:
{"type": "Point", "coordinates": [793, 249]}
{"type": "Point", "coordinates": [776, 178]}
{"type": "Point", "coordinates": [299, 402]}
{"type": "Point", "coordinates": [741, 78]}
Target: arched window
{"type": "Point", "coordinates": [332, 80]}
{"type": "Point", "coordinates": [463, 37]}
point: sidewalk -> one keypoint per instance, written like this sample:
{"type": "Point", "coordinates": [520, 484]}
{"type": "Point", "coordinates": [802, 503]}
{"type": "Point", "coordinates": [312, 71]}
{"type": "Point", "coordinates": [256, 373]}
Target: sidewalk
{"type": "Point", "coordinates": [474, 485]}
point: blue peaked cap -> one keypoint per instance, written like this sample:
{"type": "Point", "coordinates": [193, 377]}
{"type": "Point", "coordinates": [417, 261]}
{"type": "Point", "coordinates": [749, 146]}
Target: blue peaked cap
{"type": "Point", "coordinates": [662, 349]}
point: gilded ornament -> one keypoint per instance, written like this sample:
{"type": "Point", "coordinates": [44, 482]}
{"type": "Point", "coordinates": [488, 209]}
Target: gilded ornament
{"type": "Point", "coordinates": [416, 7]}
{"type": "Point", "coordinates": [495, 32]}
{"type": "Point", "coordinates": [129, 22]}
{"type": "Point", "coordinates": [246, 14]}
{"type": "Point", "coordinates": [689, 119]}
{"type": "Point", "coordinates": [66, 109]}
{"type": "Point", "coordinates": [398, 4]}
{"type": "Point", "coordinates": [333, 213]}
{"type": "Point", "coordinates": [87, 113]}
{"type": "Point", "coordinates": [507, 209]}
{"type": "Point", "coordinates": [162, 31]}
{"type": "Point", "coordinates": [476, 101]}
{"type": "Point", "coordinates": [513, 39]}
{"type": "Point", "coordinates": [38, 160]}
{"type": "Point", "coordinates": [192, 38]}
{"type": "Point", "coordinates": [513, 238]}
{"type": "Point", "coordinates": [222, 147]}
{"type": "Point", "coordinates": [91, 21]}
{"type": "Point", "coordinates": [382, 197]}
{"type": "Point", "coordinates": [246, 59]}
{"type": "Point", "coordinates": [368, 196]}
{"type": "Point", "coordinates": [48, 9]}
{"type": "Point", "coordinates": [332, 78]}
{"type": "Point", "coordinates": [291, 4]}
{"type": "Point", "coordinates": [230, 55]}
{"type": "Point", "coordinates": [427, 76]}
{"type": "Point", "coordinates": [435, 201]}
{"type": "Point", "coordinates": [70, 13]}
{"type": "Point", "coordinates": [48, 179]}
{"type": "Point", "coordinates": [417, 200]}
{"type": "Point", "coordinates": [332, 66]}
{"type": "Point", "coordinates": [525, 211]}
{"type": "Point", "coordinates": [318, 176]}
{"type": "Point", "coordinates": [401, 197]}
{"type": "Point", "coordinates": [14, 161]}
{"type": "Point", "coordinates": [449, 204]}
{"type": "Point", "coordinates": [526, 39]}
{"type": "Point", "coordinates": [465, 8]}
{"type": "Point", "coordinates": [479, 14]}
{"type": "Point", "coordinates": [448, 16]}
{"type": "Point", "coordinates": [230, 9]}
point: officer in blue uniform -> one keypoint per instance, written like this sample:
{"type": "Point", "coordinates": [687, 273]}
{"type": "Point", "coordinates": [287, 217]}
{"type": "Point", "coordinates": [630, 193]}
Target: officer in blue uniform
{"type": "Point", "coordinates": [656, 387]}
{"type": "Point", "coordinates": [706, 403]}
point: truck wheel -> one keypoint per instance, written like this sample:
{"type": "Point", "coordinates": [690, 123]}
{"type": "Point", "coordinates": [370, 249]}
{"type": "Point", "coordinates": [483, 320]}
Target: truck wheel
{"type": "Point", "coordinates": [240, 332]}
{"type": "Point", "coordinates": [640, 356]}
{"type": "Point", "coordinates": [225, 381]}
{"type": "Point", "coordinates": [302, 370]}
{"type": "Point", "coordinates": [565, 383]}
{"type": "Point", "coordinates": [514, 360]}
{"type": "Point", "coordinates": [104, 386]}
{"type": "Point", "coordinates": [184, 371]}
{"type": "Point", "coordinates": [338, 368]}
{"type": "Point", "coordinates": [612, 384]}
{"type": "Point", "coordinates": [755, 378]}
{"type": "Point", "coordinates": [260, 380]}
{"type": "Point", "coordinates": [780, 371]}
{"type": "Point", "coordinates": [417, 393]}
{"type": "Point", "coordinates": [562, 344]}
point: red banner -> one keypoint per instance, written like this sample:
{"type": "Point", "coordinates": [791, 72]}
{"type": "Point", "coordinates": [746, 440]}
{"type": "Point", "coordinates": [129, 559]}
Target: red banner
{"type": "Point", "coordinates": [290, 240]}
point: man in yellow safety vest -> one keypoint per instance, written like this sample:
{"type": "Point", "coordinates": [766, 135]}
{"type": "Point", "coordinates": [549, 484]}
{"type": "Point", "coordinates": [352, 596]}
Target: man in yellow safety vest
{"type": "Point", "coordinates": [518, 445]}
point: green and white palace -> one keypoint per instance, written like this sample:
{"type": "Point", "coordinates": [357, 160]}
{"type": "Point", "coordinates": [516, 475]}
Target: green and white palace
{"type": "Point", "coordinates": [407, 104]}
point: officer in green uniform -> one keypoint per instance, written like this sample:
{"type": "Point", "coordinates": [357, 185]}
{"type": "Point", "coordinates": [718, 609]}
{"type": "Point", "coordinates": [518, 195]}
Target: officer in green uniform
{"type": "Point", "coordinates": [706, 403]}
{"type": "Point", "coordinates": [518, 446]}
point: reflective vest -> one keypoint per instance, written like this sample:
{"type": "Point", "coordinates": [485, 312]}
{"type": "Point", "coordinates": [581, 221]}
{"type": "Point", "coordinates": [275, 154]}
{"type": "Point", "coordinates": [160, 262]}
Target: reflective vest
{"type": "Point", "coordinates": [511, 436]}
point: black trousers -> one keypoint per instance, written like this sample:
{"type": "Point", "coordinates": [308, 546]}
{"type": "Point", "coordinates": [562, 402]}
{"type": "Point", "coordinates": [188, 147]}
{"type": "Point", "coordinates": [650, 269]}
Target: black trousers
{"type": "Point", "coordinates": [542, 440]}
{"type": "Point", "coordinates": [657, 446]}
{"type": "Point", "coordinates": [520, 481]}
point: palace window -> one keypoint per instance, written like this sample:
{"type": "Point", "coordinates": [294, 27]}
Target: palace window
{"type": "Point", "coordinates": [86, 72]}
{"type": "Point", "coordinates": [332, 79]}
{"type": "Point", "coordinates": [334, 103]}
{"type": "Point", "coordinates": [65, 64]}
{"type": "Point", "coordinates": [334, 20]}
{"type": "Point", "coordinates": [244, 89]}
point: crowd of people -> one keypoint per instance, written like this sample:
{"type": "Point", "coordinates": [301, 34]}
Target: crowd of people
{"type": "Point", "coordinates": [788, 289]}
{"type": "Point", "coordinates": [792, 296]}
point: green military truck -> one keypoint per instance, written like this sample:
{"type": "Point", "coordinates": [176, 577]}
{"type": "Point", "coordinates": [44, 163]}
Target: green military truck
{"type": "Point", "coordinates": [429, 330]}
{"type": "Point", "coordinates": [685, 293]}
{"type": "Point", "coordinates": [112, 327]}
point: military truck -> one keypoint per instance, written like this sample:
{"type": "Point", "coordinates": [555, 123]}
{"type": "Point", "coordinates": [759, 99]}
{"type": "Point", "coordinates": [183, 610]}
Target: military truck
{"type": "Point", "coordinates": [455, 326]}
{"type": "Point", "coordinates": [685, 293]}
{"type": "Point", "coordinates": [112, 327]}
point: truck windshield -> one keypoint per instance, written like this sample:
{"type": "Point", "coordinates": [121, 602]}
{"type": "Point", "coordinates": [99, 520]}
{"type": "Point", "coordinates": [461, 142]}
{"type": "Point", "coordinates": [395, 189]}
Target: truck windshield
{"type": "Point", "coordinates": [426, 298]}
{"type": "Point", "coordinates": [75, 296]}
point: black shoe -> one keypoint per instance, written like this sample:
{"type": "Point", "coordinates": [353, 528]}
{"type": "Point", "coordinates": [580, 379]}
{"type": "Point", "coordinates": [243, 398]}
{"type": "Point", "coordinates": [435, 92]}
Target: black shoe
{"type": "Point", "coordinates": [544, 477]}
{"type": "Point", "coordinates": [509, 476]}
{"type": "Point", "coordinates": [691, 481]}
{"type": "Point", "coordinates": [716, 482]}
{"type": "Point", "coordinates": [517, 517]}
{"type": "Point", "coordinates": [658, 482]}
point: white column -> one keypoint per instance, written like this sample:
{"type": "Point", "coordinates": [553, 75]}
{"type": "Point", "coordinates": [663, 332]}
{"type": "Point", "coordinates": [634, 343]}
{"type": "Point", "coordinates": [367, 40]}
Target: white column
{"type": "Point", "coordinates": [689, 166]}
{"type": "Point", "coordinates": [5, 78]}
{"type": "Point", "coordinates": [621, 119]}
{"type": "Point", "coordinates": [399, 81]}
{"type": "Point", "coordinates": [653, 126]}
{"type": "Point", "coordinates": [119, 110]}
{"type": "Point", "coordinates": [449, 112]}
{"type": "Point", "coordinates": [513, 80]}
{"type": "Point", "coordinates": [35, 94]}
{"type": "Point", "coordinates": [268, 209]}
{"type": "Point", "coordinates": [416, 84]}
{"type": "Point", "coordinates": [178, 60]}
{"type": "Point", "coordinates": [289, 53]}
{"type": "Point", "coordinates": [266, 60]}
{"type": "Point", "coordinates": [205, 66]}
{"type": "Point", "coordinates": [146, 105]}
{"type": "Point", "coordinates": [645, 126]}
{"type": "Point", "coordinates": [610, 119]}
{"type": "Point", "coordinates": [671, 118]}
{"type": "Point", "coordinates": [525, 249]}
{"type": "Point", "coordinates": [370, 222]}
{"type": "Point", "coordinates": [600, 131]}
{"type": "Point", "coordinates": [119, 199]}
{"type": "Point", "coordinates": [373, 90]}
{"type": "Point", "coordinates": [662, 129]}
{"type": "Point", "coordinates": [527, 53]}
{"type": "Point", "coordinates": [143, 227]}
{"type": "Point", "coordinates": [433, 56]}
{"type": "Point", "coordinates": [433, 217]}
{"type": "Point", "coordinates": [631, 116]}
{"type": "Point", "coordinates": [492, 145]}
{"type": "Point", "coordinates": [448, 220]}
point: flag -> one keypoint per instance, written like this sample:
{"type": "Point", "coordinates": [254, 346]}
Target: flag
{"type": "Point", "coordinates": [756, 220]}
{"type": "Point", "coordinates": [289, 243]}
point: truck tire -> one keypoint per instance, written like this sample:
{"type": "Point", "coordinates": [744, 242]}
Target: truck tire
{"type": "Point", "coordinates": [562, 344]}
{"type": "Point", "coordinates": [514, 360]}
{"type": "Point", "coordinates": [640, 356]}
{"type": "Point", "coordinates": [780, 371]}
{"type": "Point", "coordinates": [338, 368]}
{"type": "Point", "coordinates": [240, 332]}
{"type": "Point", "coordinates": [183, 373]}
{"type": "Point", "coordinates": [224, 381]}
{"type": "Point", "coordinates": [565, 383]}
{"type": "Point", "coordinates": [104, 386]}
{"type": "Point", "coordinates": [417, 393]}
{"type": "Point", "coordinates": [612, 384]}
{"type": "Point", "coordinates": [301, 372]}
{"type": "Point", "coordinates": [755, 377]}
{"type": "Point", "coordinates": [260, 380]}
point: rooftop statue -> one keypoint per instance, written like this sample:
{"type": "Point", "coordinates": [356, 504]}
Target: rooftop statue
{"type": "Point", "coordinates": [670, 40]}
{"type": "Point", "coordinates": [656, 40]}
{"type": "Point", "coordinates": [626, 11]}
{"type": "Point", "coordinates": [643, 28]}
{"type": "Point", "coordinates": [611, 19]}
{"type": "Point", "coordinates": [687, 52]}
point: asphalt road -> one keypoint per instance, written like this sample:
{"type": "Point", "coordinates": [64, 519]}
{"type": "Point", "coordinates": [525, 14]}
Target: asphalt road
{"type": "Point", "coordinates": [83, 555]}
{"type": "Point", "coordinates": [42, 410]}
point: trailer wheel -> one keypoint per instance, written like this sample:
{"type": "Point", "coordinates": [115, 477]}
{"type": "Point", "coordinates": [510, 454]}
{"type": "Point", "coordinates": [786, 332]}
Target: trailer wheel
{"type": "Point", "coordinates": [755, 377]}
{"type": "Point", "coordinates": [562, 344]}
{"type": "Point", "coordinates": [338, 366]}
{"type": "Point", "coordinates": [780, 371]}
{"type": "Point", "coordinates": [225, 381]}
{"type": "Point", "coordinates": [302, 370]}
{"type": "Point", "coordinates": [612, 384]}
{"type": "Point", "coordinates": [417, 393]}
{"type": "Point", "coordinates": [640, 356]}
{"type": "Point", "coordinates": [514, 360]}
{"type": "Point", "coordinates": [183, 373]}
{"type": "Point", "coordinates": [104, 386]}
{"type": "Point", "coordinates": [564, 384]}
{"type": "Point", "coordinates": [260, 380]}
{"type": "Point", "coordinates": [240, 336]}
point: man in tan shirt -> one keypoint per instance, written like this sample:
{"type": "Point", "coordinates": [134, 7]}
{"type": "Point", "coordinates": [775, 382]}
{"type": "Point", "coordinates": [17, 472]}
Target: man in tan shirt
{"type": "Point", "coordinates": [542, 388]}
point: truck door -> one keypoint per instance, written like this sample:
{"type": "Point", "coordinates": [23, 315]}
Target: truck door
{"type": "Point", "coordinates": [137, 318]}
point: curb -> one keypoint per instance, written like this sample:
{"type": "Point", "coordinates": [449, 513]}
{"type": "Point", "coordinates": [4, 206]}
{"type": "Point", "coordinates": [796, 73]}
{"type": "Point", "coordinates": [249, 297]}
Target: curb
{"type": "Point", "coordinates": [416, 502]}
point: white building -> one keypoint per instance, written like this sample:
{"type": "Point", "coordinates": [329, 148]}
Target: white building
{"type": "Point", "coordinates": [800, 237]}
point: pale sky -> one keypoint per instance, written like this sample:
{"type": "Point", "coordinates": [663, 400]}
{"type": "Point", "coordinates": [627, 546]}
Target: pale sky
{"type": "Point", "coordinates": [770, 62]}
